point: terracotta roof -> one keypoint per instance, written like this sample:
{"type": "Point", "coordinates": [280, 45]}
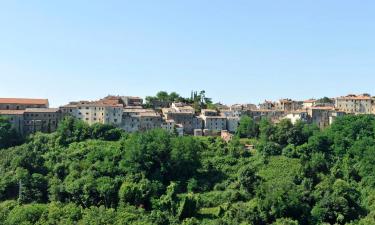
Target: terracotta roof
{"type": "Point", "coordinates": [11, 112]}
{"type": "Point", "coordinates": [25, 101]}
{"type": "Point", "coordinates": [355, 97]}
{"type": "Point", "coordinates": [42, 110]}
{"type": "Point", "coordinates": [309, 101]}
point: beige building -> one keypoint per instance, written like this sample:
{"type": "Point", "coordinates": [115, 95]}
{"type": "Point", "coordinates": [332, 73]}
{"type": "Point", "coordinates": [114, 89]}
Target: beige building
{"type": "Point", "coordinates": [288, 105]}
{"type": "Point", "coordinates": [212, 121]}
{"type": "Point", "coordinates": [297, 116]}
{"type": "Point", "coordinates": [355, 104]}
{"type": "Point", "coordinates": [266, 105]}
{"type": "Point", "coordinates": [95, 112]}
{"type": "Point", "coordinates": [22, 103]}
{"type": "Point", "coordinates": [309, 103]}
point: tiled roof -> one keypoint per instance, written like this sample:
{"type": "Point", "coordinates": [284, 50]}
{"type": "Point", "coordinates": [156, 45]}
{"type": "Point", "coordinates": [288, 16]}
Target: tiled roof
{"type": "Point", "coordinates": [355, 97]}
{"type": "Point", "coordinates": [42, 110]}
{"type": "Point", "coordinates": [11, 112]}
{"type": "Point", "coordinates": [309, 101]}
{"type": "Point", "coordinates": [24, 101]}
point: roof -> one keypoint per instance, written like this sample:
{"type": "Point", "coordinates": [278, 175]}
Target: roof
{"type": "Point", "coordinates": [355, 97]}
{"type": "Point", "coordinates": [137, 110]}
{"type": "Point", "coordinates": [215, 117]}
{"type": "Point", "coordinates": [323, 107]}
{"type": "Point", "coordinates": [100, 103]}
{"type": "Point", "coordinates": [149, 114]}
{"type": "Point", "coordinates": [24, 101]}
{"type": "Point", "coordinates": [11, 112]}
{"type": "Point", "coordinates": [209, 110]}
{"type": "Point", "coordinates": [42, 110]}
{"type": "Point", "coordinates": [309, 101]}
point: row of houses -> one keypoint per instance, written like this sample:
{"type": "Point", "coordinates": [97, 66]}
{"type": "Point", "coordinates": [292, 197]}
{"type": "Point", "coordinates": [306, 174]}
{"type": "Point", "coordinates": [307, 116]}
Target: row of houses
{"type": "Point", "coordinates": [128, 113]}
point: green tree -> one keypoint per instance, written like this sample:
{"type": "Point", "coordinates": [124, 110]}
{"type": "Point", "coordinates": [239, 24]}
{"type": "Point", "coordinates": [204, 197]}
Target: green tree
{"type": "Point", "coordinates": [248, 179]}
{"type": "Point", "coordinates": [8, 136]}
{"type": "Point", "coordinates": [247, 128]}
{"type": "Point", "coordinates": [188, 207]}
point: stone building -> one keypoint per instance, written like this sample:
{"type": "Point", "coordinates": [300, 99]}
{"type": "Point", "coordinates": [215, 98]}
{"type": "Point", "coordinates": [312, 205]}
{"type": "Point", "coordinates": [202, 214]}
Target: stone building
{"type": "Point", "coordinates": [22, 103]}
{"type": "Point", "coordinates": [137, 119]}
{"type": "Point", "coordinates": [44, 120]}
{"type": "Point", "coordinates": [355, 104]}
{"type": "Point", "coordinates": [132, 101]}
{"type": "Point", "coordinates": [187, 119]}
{"type": "Point", "coordinates": [232, 123]}
{"type": "Point", "coordinates": [212, 121]}
{"type": "Point", "coordinates": [273, 115]}
{"type": "Point", "coordinates": [149, 120]}
{"type": "Point", "coordinates": [324, 116]}
{"type": "Point", "coordinates": [28, 116]}
{"type": "Point", "coordinates": [15, 117]}
{"type": "Point", "coordinates": [266, 105]}
{"type": "Point", "coordinates": [288, 105]}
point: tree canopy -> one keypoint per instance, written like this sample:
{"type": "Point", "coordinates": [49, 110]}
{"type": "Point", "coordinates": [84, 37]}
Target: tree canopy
{"type": "Point", "coordinates": [99, 174]}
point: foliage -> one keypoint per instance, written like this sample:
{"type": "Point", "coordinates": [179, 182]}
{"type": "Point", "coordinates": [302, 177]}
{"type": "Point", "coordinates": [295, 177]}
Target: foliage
{"type": "Point", "coordinates": [8, 136]}
{"type": "Point", "coordinates": [100, 175]}
{"type": "Point", "coordinates": [247, 128]}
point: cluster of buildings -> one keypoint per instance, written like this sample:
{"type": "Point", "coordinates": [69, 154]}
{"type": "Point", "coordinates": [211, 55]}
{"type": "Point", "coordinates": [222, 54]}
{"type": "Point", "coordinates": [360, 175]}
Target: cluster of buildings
{"type": "Point", "coordinates": [30, 115]}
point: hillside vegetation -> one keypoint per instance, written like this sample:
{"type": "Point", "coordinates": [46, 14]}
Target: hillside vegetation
{"type": "Point", "coordinates": [101, 175]}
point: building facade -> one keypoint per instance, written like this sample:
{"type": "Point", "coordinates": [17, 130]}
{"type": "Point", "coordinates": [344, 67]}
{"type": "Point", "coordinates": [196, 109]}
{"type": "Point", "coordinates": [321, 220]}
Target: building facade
{"type": "Point", "coordinates": [22, 103]}
{"type": "Point", "coordinates": [355, 104]}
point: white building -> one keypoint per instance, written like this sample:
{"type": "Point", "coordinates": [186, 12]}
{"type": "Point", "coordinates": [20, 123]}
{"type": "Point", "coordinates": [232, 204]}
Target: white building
{"type": "Point", "coordinates": [95, 112]}
{"type": "Point", "coordinates": [297, 116]}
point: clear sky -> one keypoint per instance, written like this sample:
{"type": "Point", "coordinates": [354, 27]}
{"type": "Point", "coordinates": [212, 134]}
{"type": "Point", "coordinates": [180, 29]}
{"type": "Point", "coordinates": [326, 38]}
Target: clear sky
{"type": "Point", "coordinates": [238, 50]}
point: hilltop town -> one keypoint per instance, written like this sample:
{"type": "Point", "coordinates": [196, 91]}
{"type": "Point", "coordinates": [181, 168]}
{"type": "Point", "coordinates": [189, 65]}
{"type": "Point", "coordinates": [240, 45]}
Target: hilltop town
{"type": "Point", "coordinates": [196, 116]}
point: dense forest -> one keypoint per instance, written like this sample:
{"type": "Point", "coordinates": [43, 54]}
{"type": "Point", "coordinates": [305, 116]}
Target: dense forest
{"type": "Point", "coordinates": [297, 174]}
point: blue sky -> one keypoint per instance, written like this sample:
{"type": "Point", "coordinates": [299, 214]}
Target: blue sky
{"type": "Point", "coordinates": [238, 51]}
